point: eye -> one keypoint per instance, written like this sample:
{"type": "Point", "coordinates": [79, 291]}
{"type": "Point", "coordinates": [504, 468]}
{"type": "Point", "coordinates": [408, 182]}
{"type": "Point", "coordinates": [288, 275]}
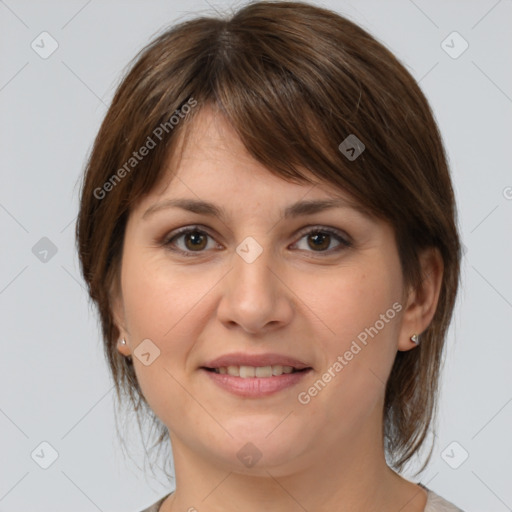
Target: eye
{"type": "Point", "coordinates": [190, 239]}
{"type": "Point", "coordinates": [319, 239]}
{"type": "Point", "coordinates": [193, 239]}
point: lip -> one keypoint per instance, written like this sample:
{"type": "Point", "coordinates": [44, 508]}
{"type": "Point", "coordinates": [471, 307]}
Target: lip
{"type": "Point", "coordinates": [255, 387]}
{"type": "Point", "coordinates": [243, 359]}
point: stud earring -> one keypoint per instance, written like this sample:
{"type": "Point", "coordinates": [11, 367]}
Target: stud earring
{"type": "Point", "coordinates": [123, 342]}
{"type": "Point", "coordinates": [415, 339]}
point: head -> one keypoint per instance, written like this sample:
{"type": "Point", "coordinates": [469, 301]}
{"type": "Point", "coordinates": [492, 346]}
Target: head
{"type": "Point", "coordinates": [248, 113]}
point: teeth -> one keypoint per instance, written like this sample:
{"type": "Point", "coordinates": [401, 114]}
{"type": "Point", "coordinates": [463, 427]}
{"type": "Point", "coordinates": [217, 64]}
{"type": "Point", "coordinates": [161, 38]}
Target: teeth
{"type": "Point", "coordinates": [234, 371]}
{"type": "Point", "coordinates": [254, 371]}
{"type": "Point", "coordinates": [247, 371]}
{"type": "Point", "coordinates": [263, 371]}
{"type": "Point", "coordinates": [277, 369]}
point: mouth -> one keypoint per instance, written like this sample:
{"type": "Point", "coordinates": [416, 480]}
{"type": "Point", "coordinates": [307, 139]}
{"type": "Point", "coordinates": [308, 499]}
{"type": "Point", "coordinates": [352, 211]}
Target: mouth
{"type": "Point", "coordinates": [255, 375]}
{"type": "Point", "coordinates": [246, 372]}
{"type": "Point", "coordinates": [255, 365]}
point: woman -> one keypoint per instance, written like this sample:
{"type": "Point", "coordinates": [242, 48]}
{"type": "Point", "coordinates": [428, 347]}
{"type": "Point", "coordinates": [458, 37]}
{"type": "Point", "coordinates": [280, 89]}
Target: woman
{"type": "Point", "coordinates": [268, 228]}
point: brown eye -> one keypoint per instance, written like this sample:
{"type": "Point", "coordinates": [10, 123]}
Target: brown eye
{"type": "Point", "coordinates": [195, 240]}
{"type": "Point", "coordinates": [319, 241]}
{"type": "Point", "coordinates": [322, 240]}
{"type": "Point", "coordinates": [189, 240]}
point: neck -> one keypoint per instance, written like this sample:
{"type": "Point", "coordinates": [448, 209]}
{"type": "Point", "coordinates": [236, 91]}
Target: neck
{"type": "Point", "coordinates": [334, 475]}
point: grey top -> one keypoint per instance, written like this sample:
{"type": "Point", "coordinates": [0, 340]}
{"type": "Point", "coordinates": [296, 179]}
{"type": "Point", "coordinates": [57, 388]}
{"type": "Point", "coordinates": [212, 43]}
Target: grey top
{"type": "Point", "coordinates": [156, 506]}
{"type": "Point", "coordinates": [434, 503]}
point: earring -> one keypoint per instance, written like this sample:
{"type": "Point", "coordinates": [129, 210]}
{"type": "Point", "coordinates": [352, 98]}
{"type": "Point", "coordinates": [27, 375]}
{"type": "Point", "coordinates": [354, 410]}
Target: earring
{"type": "Point", "coordinates": [415, 339]}
{"type": "Point", "coordinates": [123, 342]}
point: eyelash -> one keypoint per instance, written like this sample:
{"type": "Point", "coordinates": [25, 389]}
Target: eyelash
{"type": "Point", "coordinates": [169, 241]}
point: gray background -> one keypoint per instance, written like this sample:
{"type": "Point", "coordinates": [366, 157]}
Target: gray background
{"type": "Point", "coordinates": [55, 385]}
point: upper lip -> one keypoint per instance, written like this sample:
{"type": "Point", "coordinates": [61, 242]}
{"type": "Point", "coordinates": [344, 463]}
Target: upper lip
{"type": "Point", "coordinates": [241, 359]}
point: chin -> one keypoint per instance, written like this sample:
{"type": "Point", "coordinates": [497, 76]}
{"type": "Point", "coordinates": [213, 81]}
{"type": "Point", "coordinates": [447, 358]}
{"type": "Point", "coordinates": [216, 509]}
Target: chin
{"type": "Point", "coordinates": [261, 444]}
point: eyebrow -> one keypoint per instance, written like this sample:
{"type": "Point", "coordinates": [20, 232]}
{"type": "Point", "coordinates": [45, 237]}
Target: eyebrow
{"type": "Point", "coordinates": [294, 210]}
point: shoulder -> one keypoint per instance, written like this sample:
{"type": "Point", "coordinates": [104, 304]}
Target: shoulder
{"type": "Point", "coordinates": [436, 503]}
{"type": "Point", "coordinates": [156, 506]}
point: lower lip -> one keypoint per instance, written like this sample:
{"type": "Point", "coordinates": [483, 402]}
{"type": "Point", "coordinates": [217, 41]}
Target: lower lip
{"type": "Point", "coordinates": [256, 386]}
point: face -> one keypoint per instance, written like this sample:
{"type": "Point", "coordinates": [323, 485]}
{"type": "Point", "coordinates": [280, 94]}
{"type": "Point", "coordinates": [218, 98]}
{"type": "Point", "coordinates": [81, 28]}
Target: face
{"type": "Point", "coordinates": [318, 289]}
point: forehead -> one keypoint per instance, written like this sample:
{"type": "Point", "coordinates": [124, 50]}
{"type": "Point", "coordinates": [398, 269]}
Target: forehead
{"type": "Point", "coordinates": [209, 160]}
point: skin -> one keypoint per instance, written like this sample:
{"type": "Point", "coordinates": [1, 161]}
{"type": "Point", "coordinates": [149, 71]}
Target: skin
{"type": "Point", "coordinates": [327, 454]}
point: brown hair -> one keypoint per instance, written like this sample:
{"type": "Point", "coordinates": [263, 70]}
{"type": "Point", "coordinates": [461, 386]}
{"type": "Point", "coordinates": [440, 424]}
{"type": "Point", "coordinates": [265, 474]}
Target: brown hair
{"type": "Point", "coordinates": [294, 80]}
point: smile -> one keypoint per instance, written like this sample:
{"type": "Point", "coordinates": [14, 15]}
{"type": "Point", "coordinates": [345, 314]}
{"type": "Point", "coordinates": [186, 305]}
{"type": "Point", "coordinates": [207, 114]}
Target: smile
{"type": "Point", "coordinates": [255, 382]}
{"type": "Point", "coordinates": [254, 371]}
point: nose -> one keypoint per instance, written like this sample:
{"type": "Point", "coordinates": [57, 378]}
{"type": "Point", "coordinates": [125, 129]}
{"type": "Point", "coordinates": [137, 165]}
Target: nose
{"type": "Point", "coordinates": [255, 296]}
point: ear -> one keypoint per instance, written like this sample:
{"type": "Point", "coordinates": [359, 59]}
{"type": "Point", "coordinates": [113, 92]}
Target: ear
{"type": "Point", "coordinates": [117, 311]}
{"type": "Point", "coordinates": [422, 301]}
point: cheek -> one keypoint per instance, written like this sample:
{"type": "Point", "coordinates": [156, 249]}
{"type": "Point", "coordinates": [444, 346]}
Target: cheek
{"type": "Point", "coordinates": [357, 351]}
{"type": "Point", "coordinates": [157, 298]}
{"type": "Point", "coordinates": [359, 310]}
{"type": "Point", "coordinates": [154, 306]}
{"type": "Point", "coordinates": [148, 302]}
{"type": "Point", "coordinates": [168, 306]}
{"type": "Point", "coordinates": [353, 300]}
